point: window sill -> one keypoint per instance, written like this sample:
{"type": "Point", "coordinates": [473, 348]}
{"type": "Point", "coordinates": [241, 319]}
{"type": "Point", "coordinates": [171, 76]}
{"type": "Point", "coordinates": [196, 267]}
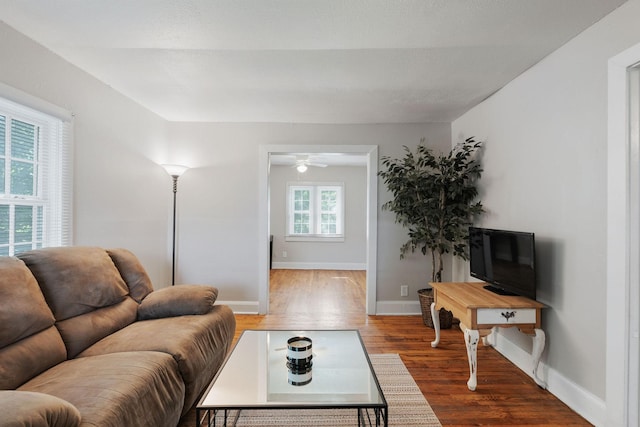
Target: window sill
{"type": "Point", "coordinates": [315, 238]}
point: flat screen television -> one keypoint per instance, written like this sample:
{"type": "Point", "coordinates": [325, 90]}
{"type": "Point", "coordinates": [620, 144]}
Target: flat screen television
{"type": "Point", "coordinates": [505, 260]}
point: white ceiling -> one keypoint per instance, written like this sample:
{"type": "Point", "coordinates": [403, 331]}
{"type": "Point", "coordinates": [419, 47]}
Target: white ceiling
{"type": "Point", "coordinates": [304, 61]}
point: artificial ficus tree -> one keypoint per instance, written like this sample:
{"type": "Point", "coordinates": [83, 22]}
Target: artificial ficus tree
{"type": "Point", "coordinates": [434, 197]}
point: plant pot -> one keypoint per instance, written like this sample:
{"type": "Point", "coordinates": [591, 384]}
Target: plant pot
{"type": "Point", "coordinates": [426, 298]}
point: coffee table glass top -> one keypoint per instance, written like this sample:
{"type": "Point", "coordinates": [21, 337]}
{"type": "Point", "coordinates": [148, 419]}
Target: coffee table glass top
{"type": "Point", "coordinates": [256, 373]}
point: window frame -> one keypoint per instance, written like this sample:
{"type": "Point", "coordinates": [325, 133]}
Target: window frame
{"type": "Point", "coordinates": [50, 200]}
{"type": "Point", "coordinates": [315, 212]}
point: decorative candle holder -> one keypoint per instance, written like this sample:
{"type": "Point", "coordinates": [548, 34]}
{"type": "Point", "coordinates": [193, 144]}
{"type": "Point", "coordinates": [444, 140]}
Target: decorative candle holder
{"type": "Point", "coordinates": [299, 376]}
{"type": "Point", "coordinates": [299, 356]}
{"type": "Point", "coordinates": [299, 350]}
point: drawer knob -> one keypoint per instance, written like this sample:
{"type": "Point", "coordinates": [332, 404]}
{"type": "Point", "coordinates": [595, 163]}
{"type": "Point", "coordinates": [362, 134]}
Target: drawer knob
{"type": "Point", "coordinates": [508, 314]}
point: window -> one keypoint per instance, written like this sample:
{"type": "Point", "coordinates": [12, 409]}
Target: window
{"type": "Point", "coordinates": [35, 181]}
{"type": "Point", "coordinates": [315, 211]}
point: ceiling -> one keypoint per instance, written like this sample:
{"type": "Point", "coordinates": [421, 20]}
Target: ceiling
{"type": "Point", "coordinates": [304, 61]}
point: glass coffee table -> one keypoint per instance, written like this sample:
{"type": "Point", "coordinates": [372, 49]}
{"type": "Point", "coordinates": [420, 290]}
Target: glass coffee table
{"type": "Point", "coordinates": [265, 371]}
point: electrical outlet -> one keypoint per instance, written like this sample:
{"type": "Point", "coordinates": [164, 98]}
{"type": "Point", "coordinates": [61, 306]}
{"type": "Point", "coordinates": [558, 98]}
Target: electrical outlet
{"type": "Point", "coordinates": [404, 290]}
{"type": "Point", "coordinates": [284, 254]}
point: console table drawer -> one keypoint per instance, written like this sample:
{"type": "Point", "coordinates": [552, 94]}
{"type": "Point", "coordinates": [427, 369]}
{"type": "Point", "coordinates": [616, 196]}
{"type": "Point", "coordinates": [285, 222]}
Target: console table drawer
{"type": "Point", "coordinates": [502, 316]}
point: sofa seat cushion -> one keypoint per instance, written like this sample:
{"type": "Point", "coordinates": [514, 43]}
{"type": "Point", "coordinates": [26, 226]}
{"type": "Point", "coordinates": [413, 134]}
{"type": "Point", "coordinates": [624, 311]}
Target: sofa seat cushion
{"type": "Point", "coordinates": [132, 389]}
{"type": "Point", "coordinates": [29, 409]}
{"type": "Point", "coordinates": [198, 343]}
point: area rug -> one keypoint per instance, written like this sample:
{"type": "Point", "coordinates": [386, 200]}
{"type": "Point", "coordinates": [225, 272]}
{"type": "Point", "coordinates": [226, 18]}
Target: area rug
{"type": "Point", "coordinates": [407, 405]}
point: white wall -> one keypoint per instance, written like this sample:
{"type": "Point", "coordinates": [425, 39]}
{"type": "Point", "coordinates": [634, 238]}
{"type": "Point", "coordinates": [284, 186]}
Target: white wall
{"type": "Point", "coordinates": [218, 200]}
{"type": "Point", "coordinates": [349, 254]}
{"type": "Point", "coordinates": [121, 196]}
{"type": "Point", "coordinates": [546, 171]}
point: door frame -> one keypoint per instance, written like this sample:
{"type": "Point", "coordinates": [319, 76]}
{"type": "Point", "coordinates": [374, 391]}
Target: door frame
{"type": "Point", "coordinates": [623, 247]}
{"type": "Point", "coordinates": [371, 153]}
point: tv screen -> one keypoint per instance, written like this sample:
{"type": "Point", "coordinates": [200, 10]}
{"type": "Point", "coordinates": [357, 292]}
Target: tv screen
{"type": "Point", "coordinates": [504, 259]}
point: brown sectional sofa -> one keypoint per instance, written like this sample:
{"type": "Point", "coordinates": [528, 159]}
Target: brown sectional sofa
{"type": "Point", "coordinates": [85, 340]}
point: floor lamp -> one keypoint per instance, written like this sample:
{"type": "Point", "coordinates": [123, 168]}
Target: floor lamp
{"type": "Point", "coordinates": [175, 171]}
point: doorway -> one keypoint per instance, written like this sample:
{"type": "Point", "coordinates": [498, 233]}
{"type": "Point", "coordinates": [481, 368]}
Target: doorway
{"type": "Point", "coordinates": [370, 152]}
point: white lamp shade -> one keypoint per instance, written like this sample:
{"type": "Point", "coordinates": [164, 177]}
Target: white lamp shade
{"type": "Point", "coordinates": [302, 168]}
{"type": "Point", "coordinates": [175, 170]}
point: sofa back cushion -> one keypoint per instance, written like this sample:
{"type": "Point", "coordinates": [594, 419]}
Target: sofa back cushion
{"type": "Point", "coordinates": [23, 310]}
{"type": "Point", "coordinates": [81, 332]}
{"type": "Point", "coordinates": [29, 344]}
{"type": "Point", "coordinates": [25, 359]}
{"type": "Point", "coordinates": [133, 273]}
{"type": "Point", "coordinates": [85, 292]}
{"type": "Point", "coordinates": [76, 280]}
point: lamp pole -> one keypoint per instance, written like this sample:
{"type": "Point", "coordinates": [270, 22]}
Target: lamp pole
{"type": "Point", "coordinates": [175, 171]}
{"type": "Point", "coordinates": [173, 242]}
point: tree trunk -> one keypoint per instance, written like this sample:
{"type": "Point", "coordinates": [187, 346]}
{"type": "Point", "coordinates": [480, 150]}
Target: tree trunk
{"type": "Point", "coordinates": [433, 267]}
{"type": "Point", "coordinates": [438, 266]}
{"type": "Point", "coordinates": [437, 254]}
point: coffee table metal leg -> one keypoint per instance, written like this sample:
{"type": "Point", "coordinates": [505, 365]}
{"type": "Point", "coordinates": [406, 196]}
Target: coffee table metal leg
{"type": "Point", "coordinates": [363, 414]}
{"type": "Point", "coordinates": [235, 419]}
{"type": "Point", "coordinates": [382, 414]}
{"type": "Point", "coordinates": [205, 419]}
{"type": "Point", "coordinates": [364, 417]}
{"type": "Point", "coordinates": [361, 417]}
{"type": "Point", "coordinates": [203, 416]}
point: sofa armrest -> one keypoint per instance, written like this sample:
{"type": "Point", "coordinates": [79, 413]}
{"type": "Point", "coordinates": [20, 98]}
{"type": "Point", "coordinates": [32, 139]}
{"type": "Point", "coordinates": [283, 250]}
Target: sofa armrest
{"type": "Point", "coordinates": [26, 408]}
{"type": "Point", "coordinates": [177, 300]}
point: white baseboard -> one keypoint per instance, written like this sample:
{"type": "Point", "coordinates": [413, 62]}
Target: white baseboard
{"type": "Point", "coordinates": [587, 405]}
{"type": "Point", "coordinates": [319, 266]}
{"type": "Point", "coordinates": [395, 308]}
{"type": "Point", "coordinates": [241, 307]}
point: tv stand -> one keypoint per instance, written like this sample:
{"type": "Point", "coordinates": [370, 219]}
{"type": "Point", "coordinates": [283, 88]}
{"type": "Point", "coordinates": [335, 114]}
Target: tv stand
{"type": "Point", "coordinates": [499, 291]}
{"type": "Point", "coordinates": [481, 310]}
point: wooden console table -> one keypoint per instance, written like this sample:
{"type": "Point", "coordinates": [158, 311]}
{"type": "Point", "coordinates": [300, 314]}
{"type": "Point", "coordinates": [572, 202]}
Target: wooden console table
{"type": "Point", "coordinates": [480, 310]}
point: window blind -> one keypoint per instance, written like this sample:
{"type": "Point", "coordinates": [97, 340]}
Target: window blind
{"type": "Point", "coordinates": [36, 150]}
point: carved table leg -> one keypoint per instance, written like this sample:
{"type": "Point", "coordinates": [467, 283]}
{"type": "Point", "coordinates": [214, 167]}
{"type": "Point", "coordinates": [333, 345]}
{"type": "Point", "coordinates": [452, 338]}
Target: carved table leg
{"type": "Point", "coordinates": [435, 316]}
{"type": "Point", "coordinates": [491, 339]}
{"type": "Point", "coordinates": [536, 353]}
{"type": "Point", "coordinates": [471, 338]}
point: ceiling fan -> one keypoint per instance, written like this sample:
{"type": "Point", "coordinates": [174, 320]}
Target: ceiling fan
{"type": "Point", "coordinates": [302, 164]}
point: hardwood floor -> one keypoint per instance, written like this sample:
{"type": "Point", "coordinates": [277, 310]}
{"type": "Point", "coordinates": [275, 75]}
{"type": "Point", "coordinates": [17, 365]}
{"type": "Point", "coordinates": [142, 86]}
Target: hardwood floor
{"type": "Point", "coordinates": [325, 292]}
{"type": "Point", "coordinates": [505, 395]}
